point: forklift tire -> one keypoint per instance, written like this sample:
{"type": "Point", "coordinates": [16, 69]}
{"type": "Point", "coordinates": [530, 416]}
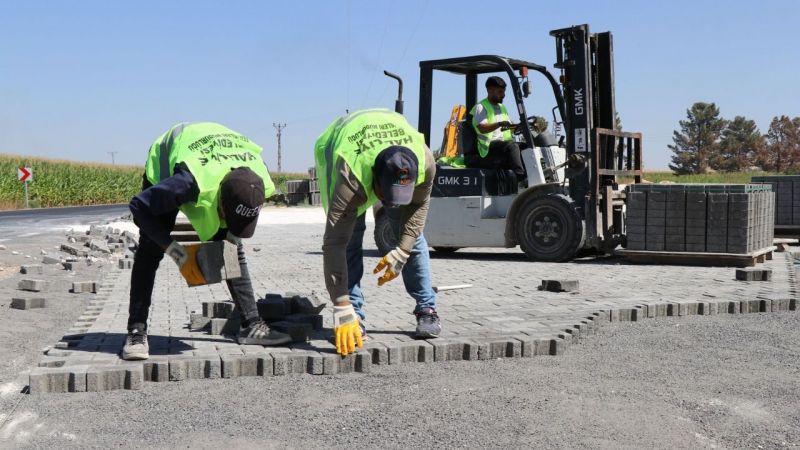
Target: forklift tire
{"type": "Point", "coordinates": [549, 228]}
{"type": "Point", "coordinates": [384, 236]}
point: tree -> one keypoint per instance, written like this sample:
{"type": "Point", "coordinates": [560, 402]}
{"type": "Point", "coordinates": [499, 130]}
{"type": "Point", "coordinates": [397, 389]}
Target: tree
{"type": "Point", "coordinates": [782, 150]}
{"type": "Point", "coordinates": [739, 144]}
{"type": "Point", "coordinates": [698, 139]}
{"type": "Point", "coordinates": [617, 121]}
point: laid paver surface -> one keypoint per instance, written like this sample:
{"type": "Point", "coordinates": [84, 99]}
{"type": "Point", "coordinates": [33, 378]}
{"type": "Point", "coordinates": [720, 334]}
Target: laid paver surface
{"type": "Point", "coordinates": [502, 315]}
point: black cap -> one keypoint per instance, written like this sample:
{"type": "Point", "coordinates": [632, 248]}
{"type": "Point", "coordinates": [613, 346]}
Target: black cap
{"type": "Point", "coordinates": [242, 195]}
{"type": "Point", "coordinates": [395, 171]}
{"type": "Point", "coordinates": [495, 81]}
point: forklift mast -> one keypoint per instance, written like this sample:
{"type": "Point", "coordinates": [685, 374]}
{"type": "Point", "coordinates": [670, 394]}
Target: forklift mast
{"type": "Point", "coordinates": [599, 153]}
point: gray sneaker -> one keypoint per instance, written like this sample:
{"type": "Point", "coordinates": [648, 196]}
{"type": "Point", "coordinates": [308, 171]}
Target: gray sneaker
{"type": "Point", "coordinates": [136, 347]}
{"type": "Point", "coordinates": [258, 333]}
{"type": "Point", "coordinates": [428, 324]}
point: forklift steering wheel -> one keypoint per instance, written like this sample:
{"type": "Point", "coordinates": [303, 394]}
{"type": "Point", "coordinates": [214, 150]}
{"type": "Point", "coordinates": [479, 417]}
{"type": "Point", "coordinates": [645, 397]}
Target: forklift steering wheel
{"type": "Point", "coordinates": [531, 121]}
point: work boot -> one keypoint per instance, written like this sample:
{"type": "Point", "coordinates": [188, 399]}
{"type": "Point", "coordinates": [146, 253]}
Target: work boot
{"type": "Point", "coordinates": [258, 333]}
{"type": "Point", "coordinates": [428, 324]}
{"type": "Point", "coordinates": [136, 347]}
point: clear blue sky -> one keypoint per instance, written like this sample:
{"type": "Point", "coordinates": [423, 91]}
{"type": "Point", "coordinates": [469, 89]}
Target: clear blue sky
{"type": "Point", "coordinates": [79, 79]}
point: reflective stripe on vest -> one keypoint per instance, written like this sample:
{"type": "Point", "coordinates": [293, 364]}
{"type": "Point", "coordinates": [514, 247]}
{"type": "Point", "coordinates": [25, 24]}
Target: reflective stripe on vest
{"type": "Point", "coordinates": [484, 139]}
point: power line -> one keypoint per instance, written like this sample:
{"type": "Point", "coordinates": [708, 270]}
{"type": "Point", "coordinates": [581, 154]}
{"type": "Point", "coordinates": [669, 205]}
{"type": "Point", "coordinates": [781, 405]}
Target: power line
{"type": "Point", "coordinates": [279, 127]}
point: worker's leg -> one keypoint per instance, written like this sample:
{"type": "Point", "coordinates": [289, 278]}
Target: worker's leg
{"type": "Point", "coordinates": [507, 153]}
{"type": "Point", "coordinates": [242, 290]}
{"type": "Point", "coordinates": [143, 274]}
{"type": "Point", "coordinates": [355, 265]}
{"type": "Point", "coordinates": [417, 271]}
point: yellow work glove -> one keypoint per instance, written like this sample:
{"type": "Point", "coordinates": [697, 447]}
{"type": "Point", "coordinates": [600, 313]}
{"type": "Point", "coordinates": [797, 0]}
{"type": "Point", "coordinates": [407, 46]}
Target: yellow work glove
{"type": "Point", "coordinates": [346, 330]}
{"type": "Point", "coordinates": [186, 259]}
{"type": "Point", "coordinates": [393, 262]}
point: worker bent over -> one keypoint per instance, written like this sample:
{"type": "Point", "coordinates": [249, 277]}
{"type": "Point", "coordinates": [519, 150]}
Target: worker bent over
{"type": "Point", "coordinates": [217, 178]}
{"type": "Point", "coordinates": [361, 158]}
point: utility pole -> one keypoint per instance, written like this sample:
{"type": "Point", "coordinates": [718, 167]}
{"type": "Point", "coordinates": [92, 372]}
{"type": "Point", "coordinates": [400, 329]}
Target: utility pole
{"type": "Point", "coordinates": [279, 127]}
{"type": "Point", "coordinates": [112, 157]}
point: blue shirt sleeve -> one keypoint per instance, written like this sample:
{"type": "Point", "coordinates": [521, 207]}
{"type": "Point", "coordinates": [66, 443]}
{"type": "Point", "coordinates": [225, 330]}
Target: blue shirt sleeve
{"type": "Point", "coordinates": [163, 198]}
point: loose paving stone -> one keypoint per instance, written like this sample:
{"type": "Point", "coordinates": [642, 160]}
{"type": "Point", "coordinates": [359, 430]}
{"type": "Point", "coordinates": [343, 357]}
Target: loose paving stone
{"type": "Point", "coordinates": [299, 331]}
{"type": "Point", "coordinates": [559, 285]}
{"type": "Point", "coordinates": [28, 302]}
{"type": "Point", "coordinates": [33, 285]}
{"type": "Point", "coordinates": [751, 274]}
{"type": "Point", "coordinates": [31, 269]}
{"type": "Point", "coordinates": [311, 305]}
{"type": "Point", "coordinates": [79, 287]}
{"type": "Point", "coordinates": [51, 260]}
{"type": "Point", "coordinates": [274, 309]}
{"type": "Point", "coordinates": [125, 264]}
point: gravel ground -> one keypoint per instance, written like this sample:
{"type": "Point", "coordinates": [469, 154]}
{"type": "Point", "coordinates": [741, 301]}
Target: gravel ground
{"type": "Point", "coordinates": [696, 382]}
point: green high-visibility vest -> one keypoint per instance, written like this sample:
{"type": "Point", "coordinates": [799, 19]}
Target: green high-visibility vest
{"type": "Point", "coordinates": [484, 139]}
{"type": "Point", "coordinates": [358, 138]}
{"type": "Point", "coordinates": [209, 151]}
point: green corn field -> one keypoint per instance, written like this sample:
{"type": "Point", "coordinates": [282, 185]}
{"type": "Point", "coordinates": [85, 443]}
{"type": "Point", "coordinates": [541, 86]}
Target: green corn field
{"type": "Point", "coordinates": [71, 183]}
{"type": "Point", "coordinates": [66, 183]}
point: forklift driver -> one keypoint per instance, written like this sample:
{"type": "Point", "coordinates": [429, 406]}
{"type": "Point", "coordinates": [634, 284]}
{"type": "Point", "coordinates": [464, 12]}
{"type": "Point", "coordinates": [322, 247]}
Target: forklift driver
{"type": "Point", "coordinates": [490, 120]}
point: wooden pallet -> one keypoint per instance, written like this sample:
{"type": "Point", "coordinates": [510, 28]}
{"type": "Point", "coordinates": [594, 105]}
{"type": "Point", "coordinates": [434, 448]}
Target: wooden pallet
{"type": "Point", "coordinates": [698, 258]}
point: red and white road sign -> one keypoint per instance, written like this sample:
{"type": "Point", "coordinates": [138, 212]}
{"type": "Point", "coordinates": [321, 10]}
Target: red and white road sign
{"type": "Point", "coordinates": [24, 174]}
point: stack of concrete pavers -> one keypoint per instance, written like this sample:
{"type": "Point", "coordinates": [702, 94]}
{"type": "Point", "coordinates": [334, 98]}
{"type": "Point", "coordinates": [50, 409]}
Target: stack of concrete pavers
{"type": "Point", "coordinates": [296, 315]}
{"type": "Point", "coordinates": [732, 218]}
{"type": "Point", "coordinates": [787, 197]}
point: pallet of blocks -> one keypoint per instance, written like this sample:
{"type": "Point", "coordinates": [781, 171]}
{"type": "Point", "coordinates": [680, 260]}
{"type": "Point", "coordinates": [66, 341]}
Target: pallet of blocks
{"type": "Point", "coordinates": [787, 203]}
{"type": "Point", "coordinates": [699, 224]}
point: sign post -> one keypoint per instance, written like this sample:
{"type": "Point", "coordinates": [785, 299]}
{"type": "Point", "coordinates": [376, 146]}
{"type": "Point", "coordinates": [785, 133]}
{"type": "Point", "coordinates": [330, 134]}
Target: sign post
{"type": "Point", "coordinates": [24, 175]}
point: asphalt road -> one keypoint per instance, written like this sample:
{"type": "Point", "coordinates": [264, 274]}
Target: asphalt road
{"type": "Point", "coordinates": [32, 222]}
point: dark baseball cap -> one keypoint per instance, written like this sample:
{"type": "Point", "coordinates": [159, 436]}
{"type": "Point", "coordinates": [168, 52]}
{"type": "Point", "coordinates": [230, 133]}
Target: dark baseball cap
{"type": "Point", "coordinates": [395, 171]}
{"type": "Point", "coordinates": [495, 81]}
{"type": "Point", "coordinates": [242, 195]}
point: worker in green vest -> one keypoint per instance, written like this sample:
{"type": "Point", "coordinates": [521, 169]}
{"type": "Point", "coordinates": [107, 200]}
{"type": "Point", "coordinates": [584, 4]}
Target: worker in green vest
{"type": "Point", "coordinates": [216, 177]}
{"type": "Point", "coordinates": [361, 158]}
{"type": "Point", "coordinates": [496, 146]}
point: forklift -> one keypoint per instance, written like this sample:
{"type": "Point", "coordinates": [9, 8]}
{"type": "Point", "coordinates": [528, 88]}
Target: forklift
{"type": "Point", "coordinates": [572, 200]}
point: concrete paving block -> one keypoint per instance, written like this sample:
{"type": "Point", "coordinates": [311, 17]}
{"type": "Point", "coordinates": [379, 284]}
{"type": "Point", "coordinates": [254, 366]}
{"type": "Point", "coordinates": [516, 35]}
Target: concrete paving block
{"type": "Point", "coordinates": [125, 264]}
{"type": "Point", "coordinates": [239, 366]}
{"type": "Point", "coordinates": [217, 326]}
{"type": "Point", "coordinates": [444, 350]}
{"type": "Point", "coordinates": [624, 314]}
{"type": "Point", "coordinates": [79, 287]}
{"type": "Point", "coordinates": [638, 313]}
{"type": "Point", "coordinates": [363, 361]}
{"type": "Point", "coordinates": [105, 378]}
{"type": "Point", "coordinates": [274, 309]}
{"type": "Point", "coordinates": [134, 376]}
{"type": "Point", "coordinates": [297, 362]}
{"type": "Point", "coordinates": [156, 371]}
{"type": "Point", "coordinates": [193, 367]}
{"type": "Point", "coordinates": [315, 320]}
{"type": "Point", "coordinates": [780, 304]}
{"type": "Point", "coordinates": [72, 250]}
{"type": "Point", "coordinates": [31, 269]}
{"type": "Point", "coordinates": [557, 346]}
{"type": "Point", "coordinates": [264, 365]}
{"type": "Point", "coordinates": [218, 261]}
{"type": "Point", "coordinates": [476, 351]}
{"type": "Point", "coordinates": [729, 307]}
{"type": "Point", "coordinates": [280, 363]}
{"type": "Point", "coordinates": [753, 274]}
{"type": "Point", "coordinates": [99, 246]}
{"type": "Point", "coordinates": [43, 380]}
{"type": "Point", "coordinates": [77, 377]}
{"type": "Point", "coordinates": [559, 285]}
{"type": "Point", "coordinates": [197, 321]}
{"type": "Point", "coordinates": [313, 304]}
{"type": "Point", "coordinates": [753, 306]}
{"type": "Point", "coordinates": [50, 260]}
{"type": "Point", "coordinates": [299, 331]}
{"type": "Point", "coordinates": [218, 310]}
{"type": "Point", "coordinates": [33, 285]}
{"type": "Point", "coordinates": [410, 352]}
{"type": "Point", "coordinates": [316, 363]}
{"type": "Point", "coordinates": [28, 302]}
{"type": "Point", "coordinates": [379, 352]}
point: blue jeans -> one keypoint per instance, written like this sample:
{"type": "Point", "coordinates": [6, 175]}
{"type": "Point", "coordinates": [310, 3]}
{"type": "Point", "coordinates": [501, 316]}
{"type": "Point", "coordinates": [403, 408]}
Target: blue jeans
{"type": "Point", "coordinates": [416, 272]}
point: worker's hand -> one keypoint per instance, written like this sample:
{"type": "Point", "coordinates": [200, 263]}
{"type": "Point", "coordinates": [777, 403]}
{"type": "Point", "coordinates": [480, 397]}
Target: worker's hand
{"type": "Point", "coordinates": [504, 125]}
{"type": "Point", "coordinates": [178, 253]}
{"type": "Point", "coordinates": [346, 330]}
{"type": "Point", "coordinates": [393, 262]}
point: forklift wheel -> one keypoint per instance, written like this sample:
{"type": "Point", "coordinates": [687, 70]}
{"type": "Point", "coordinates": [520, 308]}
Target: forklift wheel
{"type": "Point", "coordinates": [549, 228]}
{"type": "Point", "coordinates": [384, 236]}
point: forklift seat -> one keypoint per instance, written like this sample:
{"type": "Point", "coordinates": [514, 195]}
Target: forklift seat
{"type": "Point", "coordinates": [468, 142]}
